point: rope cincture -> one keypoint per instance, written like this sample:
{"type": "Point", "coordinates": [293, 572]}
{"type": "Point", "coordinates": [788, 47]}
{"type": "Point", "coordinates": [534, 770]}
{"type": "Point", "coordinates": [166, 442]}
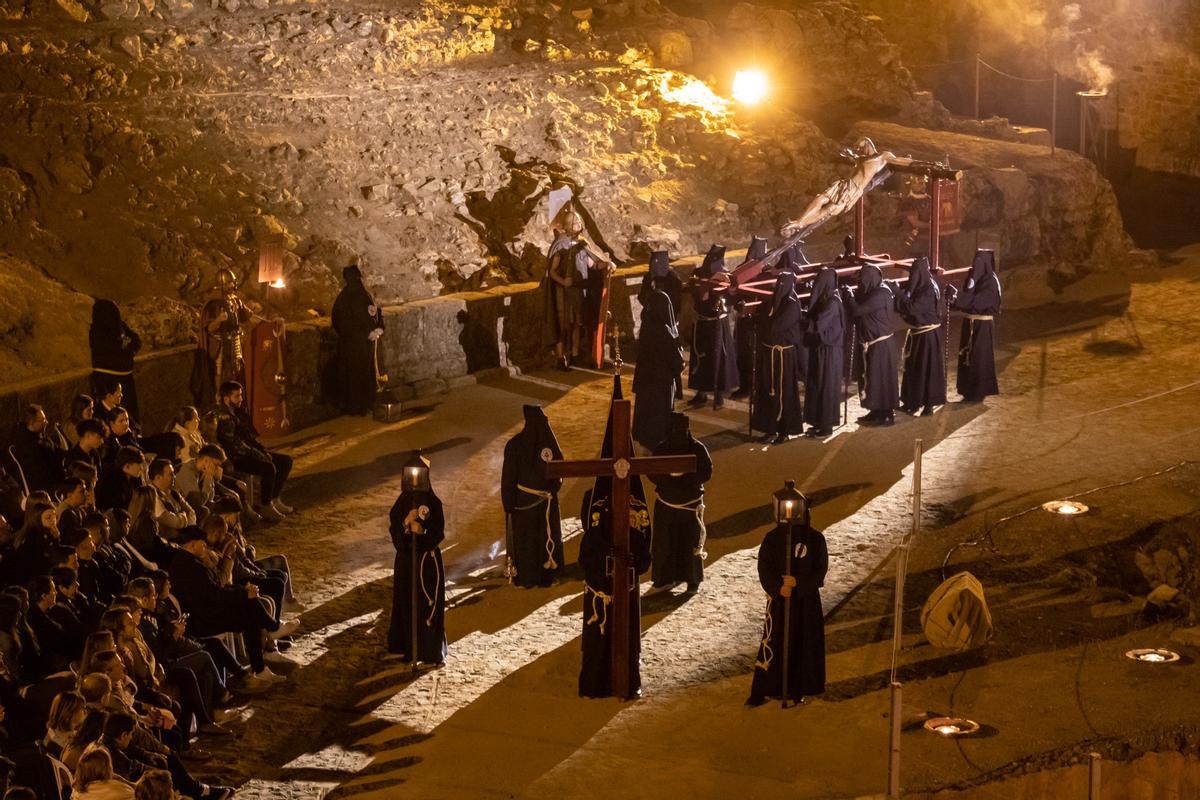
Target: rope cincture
{"type": "Point", "coordinates": [543, 497]}
{"type": "Point", "coordinates": [430, 599]}
{"type": "Point", "coordinates": [777, 350]}
{"type": "Point", "coordinates": [965, 351]}
{"type": "Point", "coordinates": [768, 629]}
{"type": "Point", "coordinates": [599, 614]}
{"type": "Point", "coordinates": [866, 348]}
{"type": "Point", "coordinates": [911, 332]}
{"type": "Point", "coordinates": [695, 505]}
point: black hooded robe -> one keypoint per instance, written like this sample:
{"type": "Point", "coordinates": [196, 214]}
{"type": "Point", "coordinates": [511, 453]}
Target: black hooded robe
{"type": "Point", "coordinates": [431, 580]}
{"type": "Point", "coordinates": [659, 363]}
{"type": "Point", "coordinates": [713, 363]}
{"type": "Point", "coordinates": [824, 335]}
{"type": "Point", "coordinates": [924, 382]}
{"type": "Point", "coordinates": [777, 407]}
{"type": "Point", "coordinates": [595, 554]}
{"type": "Point", "coordinates": [531, 501]}
{"type": "Point", "coordinates": [745, 328]}
{"type": "Point", "coordinates": [871, 310]}
{"type": "Point", "coordinates": [979, 300]}
{"type": "Point", "coordinates": [679, 532]}
{"type": "Point", "coordinates": [113, 347]}
{"type": "Point", "coordinates": [806, 656]}
{"type": "Point", "coordinates": [663, 278]}
{"type": "Point", "coordinates": [355, 316]}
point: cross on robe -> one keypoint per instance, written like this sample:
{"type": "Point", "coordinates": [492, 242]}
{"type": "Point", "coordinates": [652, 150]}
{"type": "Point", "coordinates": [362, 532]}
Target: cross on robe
{"type": "Point", "coordinates": [620, 467]}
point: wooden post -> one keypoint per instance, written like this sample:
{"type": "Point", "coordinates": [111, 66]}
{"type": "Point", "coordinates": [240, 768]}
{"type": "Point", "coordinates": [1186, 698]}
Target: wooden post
{"type": "Point", "coordinates": [1093, 776]}
{"type": "Point", "coordinates": [860, 226]}
{"type": "Point", "coordinates": [1054, 115]}
{"type": "Point", "coordinates": [935, 222]}
{"type": "Point", "coordinates": [978, 65]}
{"type": "Point", "coordinates": [622, 559]}
{"type": "Point", "coordinates": [894, 743]}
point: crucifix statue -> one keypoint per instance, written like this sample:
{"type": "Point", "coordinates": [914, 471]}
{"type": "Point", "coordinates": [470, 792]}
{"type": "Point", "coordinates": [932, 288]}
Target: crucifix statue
{"type": "Point", "coordinates": [614, 472]}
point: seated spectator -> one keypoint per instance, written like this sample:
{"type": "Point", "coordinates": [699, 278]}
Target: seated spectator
{"type": "Point", "coordinates": [86, 473]}
{"type": "Point", "coordinates": [187, 425]}
{"type": "Point", "coordinates": [120, 434]}
{"type": "Point", "coordinates": [110, 393]}
{"type": "Point", "coordinates": [104, 570]}
{"type": "Point", "coordinates": [81, 409]}
{"type": "Point", "coordinates": [32, 543]}
{"type": "Point", "coordinates": [66, 715]}
{"type": "Point", "coordinates": [173, 511]}
{"type": "Point", "coordinates": [145, 536]}
{"type": "Point", "coordinates": [118, 481]}
{"type": "Point", "coordinates": [155, 784]}
{"type": "Point", "coordinates": [236, 433]}
{"type": "Point", "coordinates": [38, 451]}
{"type": "Point", "coordinates": [197, 479]}
{"type": "Point", "coordinates": [91, 441]}
{"type": "Point", "coordinates": [94, 779]}
{"type": "Point", "coordinates": [71, 611]}
{"type": "Point", "coordinates": [11, 645]}
{"type": "Point", "coordinates": [87, 733]}
{"type": "Point", "coordinates": [58, 649]}
{"type": "Point", "coordinates": [72, 505]}
{"type": "Point", "coordinates": [215, 609]}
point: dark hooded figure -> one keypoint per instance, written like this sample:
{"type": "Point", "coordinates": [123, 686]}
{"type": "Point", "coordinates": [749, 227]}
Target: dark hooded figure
{"type": "Point", "coordinates": [713, 365]}
{"type": "Point", "coordinates": [824, 335]}
{"type": "Point", "coordinates": [418, 526]}
{"type": "Point", "coordinates": [871, 310]}
{"type": "Point", "coordinates": [777, 409]}
{"type": "Point", "coordinates": [924, 383]}
{"type": "Point", "coordinates": [358, 323]}
{"type": "Point", "coordinates": [113, 347]}
{"type": "Point", "coordinates": [677, 547]}
{"type": "Point", "coordinates": [658, 368]}
{"type": "Point", "coordinates": [661, 277]}
{"type": "Point", "coordinates": [979, 302]}
{"type": "Point", "coordinates": [531, 501]}
{"type": "Point", "coordinates": [745, 331]}
{"type": "Point", "coordinates": [595, 560]}
{"type": "Point", "coordinates": [806, 640]}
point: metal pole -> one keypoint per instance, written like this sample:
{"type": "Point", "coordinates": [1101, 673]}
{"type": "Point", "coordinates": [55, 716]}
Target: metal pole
{"type": "Point", "coordinates": [977, 68]}
{"type": "Point", "coordinates": [787, 622]}
{"type": "Point", "coordinates": [935, 222]}
{"type": "Point", "coordinates": [1093, 776]}
{"type": "Point", "coordinates": [860, 226]}
{"type": "Point", "coordinates": [413, 616]}
{"type": "Point", "coordinates": [894, 743]}
{"type": "Point", "coordinates": [1054, 115]}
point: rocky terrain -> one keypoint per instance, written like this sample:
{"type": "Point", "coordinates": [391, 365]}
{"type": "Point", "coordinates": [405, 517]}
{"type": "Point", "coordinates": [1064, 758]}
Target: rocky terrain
{"type": "Point", "coordinates": [151, 143]}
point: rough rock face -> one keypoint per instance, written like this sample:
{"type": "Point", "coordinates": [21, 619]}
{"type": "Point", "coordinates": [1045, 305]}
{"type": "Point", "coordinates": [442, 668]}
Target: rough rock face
{"type": "Point", "coordinates": [43, 324]}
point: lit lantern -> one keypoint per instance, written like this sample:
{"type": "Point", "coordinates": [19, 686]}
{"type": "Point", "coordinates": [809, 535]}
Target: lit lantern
{"type": "Point", "coordinates": [791, 506]}
{"type": "Point", "coordinates": [416, 473]}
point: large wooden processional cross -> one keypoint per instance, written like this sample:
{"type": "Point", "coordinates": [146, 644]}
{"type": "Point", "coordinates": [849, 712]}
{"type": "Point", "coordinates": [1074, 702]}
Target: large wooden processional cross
{"type": "Point", "coordinates": [620, 466]}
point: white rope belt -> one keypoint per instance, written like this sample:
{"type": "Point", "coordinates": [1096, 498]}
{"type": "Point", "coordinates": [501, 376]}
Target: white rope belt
{"type": "Point", "coordinates": [866, 349]}
{"type": "Point", "coordinates": [777, 351]}
{"type": "Point", "coordinates": [430, 598]}
{"type": "Point", "coordinates": [599, 612]}
{"type": "Point", "coordinates": [911, 332]}
{"type": "Point", "coordinates": [965, 351]}
{"type": "Point", "coordinates": [543, 497]}
{"type": "Point", "coordinates": [695, 505]}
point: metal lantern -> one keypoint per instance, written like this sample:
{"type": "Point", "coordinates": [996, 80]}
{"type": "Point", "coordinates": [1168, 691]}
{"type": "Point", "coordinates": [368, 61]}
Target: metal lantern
{"type": "Point", "coordinates": [416, 473]}
{"type": "Point", "coordinates": [790, 505]}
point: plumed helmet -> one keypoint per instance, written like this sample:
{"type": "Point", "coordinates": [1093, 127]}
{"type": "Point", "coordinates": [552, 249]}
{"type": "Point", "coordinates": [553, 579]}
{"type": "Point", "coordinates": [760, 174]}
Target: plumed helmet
{"type": "Point", "coordinates": [226, 280]}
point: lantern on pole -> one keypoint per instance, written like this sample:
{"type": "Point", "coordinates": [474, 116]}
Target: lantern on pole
{"type": "Point", "coordinates": [791, 507]}
{"type": "Point", "coordinates": [416, 473]}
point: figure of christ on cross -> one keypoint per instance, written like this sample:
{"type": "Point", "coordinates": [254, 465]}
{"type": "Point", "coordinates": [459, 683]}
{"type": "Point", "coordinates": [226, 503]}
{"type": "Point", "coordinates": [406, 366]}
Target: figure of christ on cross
{"type": "Point", "coordinates": [618, 465]}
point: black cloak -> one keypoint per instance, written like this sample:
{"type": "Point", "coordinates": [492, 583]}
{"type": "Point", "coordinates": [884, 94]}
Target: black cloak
{"type": "Point", "coordinates": [924, 383]}
{"type": "Point", "coordinates": [113, 347]}
{"type": "Point", "coordinates": [355, 316]}
{"type": "Point", "coordinates": [531, 501]}
{"type": "Point", "coordinates": [659, 364]}
{"type": "Point", "coordinates": [662, 277]}
{"type": "Point", "coordinates": [980, 301]}
{"type": "Point", "coordinates": [679, 532]}
{"type": "Point", "coordinates": [429, 588]}
{"type": "Point", "coordinates": [595, 552]}
{"type": "Point", "coordinates": [871, 310]}
{"type": "Point", "coordinates": [824, 335]}
{"type": "Point", "coordinates": [806, 645]}
{"type": "Point", "coordinates": [745, 328]}
{"type": "Point", "coordinates": [713, 364]}
{"type": "Point", "coordinates": [777, 408]}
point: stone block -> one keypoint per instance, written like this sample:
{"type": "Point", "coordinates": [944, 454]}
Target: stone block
{"type": "Point", "coordinates": [429, 386]}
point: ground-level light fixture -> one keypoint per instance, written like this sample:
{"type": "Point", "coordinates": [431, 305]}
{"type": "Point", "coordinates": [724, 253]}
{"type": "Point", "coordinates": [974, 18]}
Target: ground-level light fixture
{"type": "Point", "coordinates": [951, 726]}
{"type": "Point", "coordinates": [276, 284]}
{"type": "Point", "coordinates": [1153, 655]}
{"type": "Point", "coordinates": [750, 86]}
{"type": "Point", "coordinates": [1067, 508]}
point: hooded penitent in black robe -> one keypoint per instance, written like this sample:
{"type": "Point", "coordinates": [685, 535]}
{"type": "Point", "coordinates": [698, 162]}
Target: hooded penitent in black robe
{"type": "Point", "coordinates": [924, 383]}
{"type": "Point", "coordinates": [659, 363]}
{"type": "Point", "coordinates": [113, 347]}
{"type": "Point", "coordinates": [355, 316]}
{"type": "Point", "coordinates": [595, 552]}
{"type": "Point", "coordinates": [745, 328]}
{"type": "Point", "coordinates": [531, 501]}
{"type": "Point", "coordinates": [713, 364]}
{"type": "Point", "coordinates": [677, 547]}
{"type": "Point", "coordinates": [806, 656]}
{"type": "Point", "coordinates": [824, 335]}
{"type": "Point", "coordinates": [979, 301]}
{"type": "Point", "coordinates": [661, 277]}
{"type": "Point", "coordinates": [871, 310]}
{"type": "Point", "coordinates": [777, 408]}
{"type": "Point", "coordinates": [430, 584]}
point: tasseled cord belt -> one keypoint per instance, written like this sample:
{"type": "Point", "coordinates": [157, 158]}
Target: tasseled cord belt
{"type": "Point", "coordinates": [543, 497]}
{"type": "Point", "coordinates": [777, 351]}
{"type": "Point", "coordinates": [866, 349]}
{"type": "Point", "coordinates": [965, 352]}
{"type": "Point", "coordinates": [431, 599]}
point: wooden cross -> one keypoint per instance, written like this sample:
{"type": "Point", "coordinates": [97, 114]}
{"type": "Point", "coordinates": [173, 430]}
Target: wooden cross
{"type": "Point", "coordinates": [620, 467]}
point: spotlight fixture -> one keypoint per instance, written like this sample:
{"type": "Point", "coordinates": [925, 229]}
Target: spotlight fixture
{"type": "Point", "coordinates": [1065, 507]}
{"type": "Point", "coordinates": [950, 727]}
{"type": "Point", "coordinates": [1153, 655]}
{"type": "Point", "coordinates": [1088, 94]}
{"type": "Point", "coordinates": [750, 86]}
{"type": "Point", "coordinates": [276, 284]}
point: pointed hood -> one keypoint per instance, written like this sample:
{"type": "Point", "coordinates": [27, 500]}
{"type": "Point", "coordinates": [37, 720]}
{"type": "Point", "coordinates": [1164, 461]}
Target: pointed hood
{"type": "Point", "coordinates": [106, 318]}
{"type": "Point", "coordinates": [352, 273]}
{"type": "Point", "coordinates": [983, 267]}
{"type": "Point", "coordinates": [714, 261]}
{"type": "Point", "coordinates": [785, 286]}
{"type": "Point", "coordinates": [870, 278]}
{"type": "Point", "coordinates": [679, 432]}
{"type": "Point", "coordinates": [824, 287]}
{"type": "Point", "coordinates": [920, 279]}
{"type": "Point", "coordinates": [538, 431]}
{"type": "Point", "coordinates": [757, 248]}
{"type": "Point", "coordinates": [657, 311]}
{"type": "Point", "coordinates": [660, 264]}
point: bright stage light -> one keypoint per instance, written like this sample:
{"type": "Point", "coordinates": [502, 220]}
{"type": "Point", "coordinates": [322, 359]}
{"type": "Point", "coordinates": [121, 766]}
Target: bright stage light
{"type": "Point", "coordinates": [1153, 655]}
{"type": "Point", "coordinates": [951, 726]}
{"type": "Point", "coordinates": [276, 284]}
{"type": "Point", "coordinates": [750, 86]}
{"type": "Point", "coordinates": [1065, 507]}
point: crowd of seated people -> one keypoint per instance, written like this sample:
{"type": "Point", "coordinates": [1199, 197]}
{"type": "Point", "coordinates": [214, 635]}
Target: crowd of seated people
{"type": "Point", "coordinates": [135, 614]}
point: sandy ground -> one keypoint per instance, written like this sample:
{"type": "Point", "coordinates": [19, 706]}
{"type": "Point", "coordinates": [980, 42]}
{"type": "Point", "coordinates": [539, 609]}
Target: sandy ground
{"type": "Point", "coordinates": [1100, 387]}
